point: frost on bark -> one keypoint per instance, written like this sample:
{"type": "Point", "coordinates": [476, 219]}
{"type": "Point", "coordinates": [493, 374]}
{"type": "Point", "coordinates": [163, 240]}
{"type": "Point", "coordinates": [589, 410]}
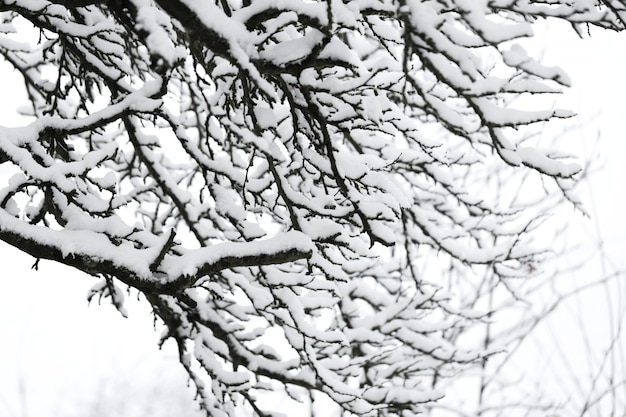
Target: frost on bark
{"type": "Point", "coordinates": [302, 190]}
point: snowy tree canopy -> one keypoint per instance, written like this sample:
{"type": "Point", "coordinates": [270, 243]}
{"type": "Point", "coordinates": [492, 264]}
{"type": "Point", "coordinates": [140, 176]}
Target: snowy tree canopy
{"type": "Point", "coordinates": [273, 175]}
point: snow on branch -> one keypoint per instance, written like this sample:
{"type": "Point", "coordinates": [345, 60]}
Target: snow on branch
{"type": "Point", "coordinates": [287, 247]}
{"type": "Point", "coordinates": [93, 253]}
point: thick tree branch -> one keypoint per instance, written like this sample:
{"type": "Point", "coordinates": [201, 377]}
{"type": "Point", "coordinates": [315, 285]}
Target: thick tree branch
{"type": "Point", "coordinates": [181, 272]}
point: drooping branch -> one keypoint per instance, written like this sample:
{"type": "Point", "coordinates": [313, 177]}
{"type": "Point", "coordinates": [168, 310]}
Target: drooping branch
{"type": "Point", "coordinates": [94, 254]}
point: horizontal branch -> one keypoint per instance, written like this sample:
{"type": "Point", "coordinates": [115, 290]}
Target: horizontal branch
{"type": "Point", "coordinates": [95, 254]}
{"type": "Point", "coordinates": [287, 247]}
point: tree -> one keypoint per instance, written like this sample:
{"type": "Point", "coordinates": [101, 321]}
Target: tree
{"type": "Point", "coordinates": [317, 198]}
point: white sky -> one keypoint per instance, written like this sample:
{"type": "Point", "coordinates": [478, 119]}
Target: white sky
{"type": "Point", "coordinates": [59, 357]}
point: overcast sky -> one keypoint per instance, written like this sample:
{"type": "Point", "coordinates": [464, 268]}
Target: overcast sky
{"type": "Point", "coordinates": [56, 353]}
